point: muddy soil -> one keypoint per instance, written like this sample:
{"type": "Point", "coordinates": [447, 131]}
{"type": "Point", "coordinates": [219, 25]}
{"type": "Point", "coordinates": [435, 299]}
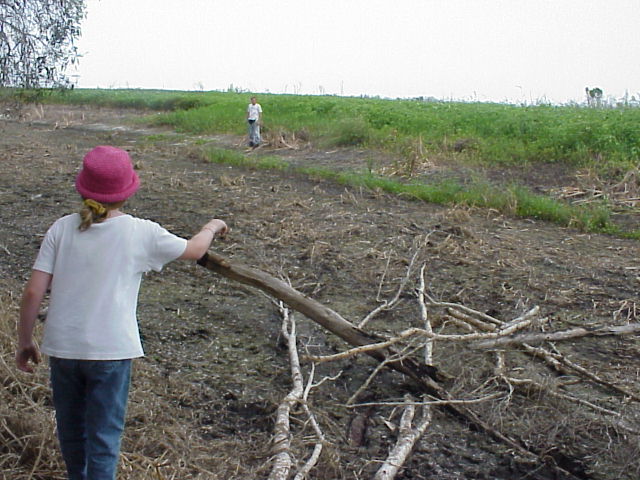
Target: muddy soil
{"type": "Point", "coordinates": [214, 350]}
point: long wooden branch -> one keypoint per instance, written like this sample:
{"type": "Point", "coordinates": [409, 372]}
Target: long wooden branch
{"type": "Point", "coordinates": [309, 307]}
{"type": "Point", "coordinates": [322, 315]}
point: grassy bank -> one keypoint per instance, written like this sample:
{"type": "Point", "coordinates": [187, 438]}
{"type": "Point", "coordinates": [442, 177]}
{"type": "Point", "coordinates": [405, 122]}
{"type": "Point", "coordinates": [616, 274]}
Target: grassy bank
{"type": "Point", "coordinates": [513, 200]}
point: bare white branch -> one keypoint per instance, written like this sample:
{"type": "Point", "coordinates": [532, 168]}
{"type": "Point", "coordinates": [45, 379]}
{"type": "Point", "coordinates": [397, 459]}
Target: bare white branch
{"type": "Point", "coordinates": [282, 439]}
{"type": "Point", "coordinates": [428, 344]}
{"type": "Point", "coordinates": [407, 438]}
{"type": "Point", "coordinates": [470, 401]}
{"type": "Point", "coordinates": [557, 336]}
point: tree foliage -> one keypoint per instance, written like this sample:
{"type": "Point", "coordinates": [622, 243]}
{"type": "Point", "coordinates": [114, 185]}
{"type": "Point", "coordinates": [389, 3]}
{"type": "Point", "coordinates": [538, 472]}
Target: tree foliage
{"type": "Point", "coordinates": [37, 41]}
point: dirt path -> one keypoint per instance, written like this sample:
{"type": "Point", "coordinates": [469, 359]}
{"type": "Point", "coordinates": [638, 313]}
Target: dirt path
{"type": "Point", "coordinates": [214, 364]}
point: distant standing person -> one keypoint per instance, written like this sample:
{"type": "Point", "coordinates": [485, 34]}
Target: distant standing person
{"type": "Point", "coordinates": [254, 118]}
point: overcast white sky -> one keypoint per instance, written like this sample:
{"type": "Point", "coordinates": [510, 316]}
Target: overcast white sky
{"type": "Point", "coordinates": [485, 50]}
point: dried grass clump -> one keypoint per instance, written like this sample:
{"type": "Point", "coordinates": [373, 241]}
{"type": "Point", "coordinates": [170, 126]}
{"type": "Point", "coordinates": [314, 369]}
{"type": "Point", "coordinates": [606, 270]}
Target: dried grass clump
{"type": "Point", "coordinates": [280, 138]}
{"type": "Point", "coordinates": [27, 425]}
{"type": "Point", "coordinates": [159, 442]}
{"type": "Point", "coordinates": [593, 188]}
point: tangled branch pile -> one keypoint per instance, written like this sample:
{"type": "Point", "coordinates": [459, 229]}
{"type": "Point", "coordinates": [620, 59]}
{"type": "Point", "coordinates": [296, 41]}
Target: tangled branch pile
{"type": "Point", "coordinates": [526, 390]}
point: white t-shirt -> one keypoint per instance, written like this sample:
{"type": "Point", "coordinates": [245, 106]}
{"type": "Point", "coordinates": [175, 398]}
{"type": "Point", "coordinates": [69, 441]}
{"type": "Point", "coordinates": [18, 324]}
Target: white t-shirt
{"type": "Point", "coordinates": [95, 284]}
{"type": "Point", "coordinates": [254, 111]}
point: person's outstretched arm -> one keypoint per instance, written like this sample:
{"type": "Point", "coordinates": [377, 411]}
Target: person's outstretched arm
{"type": "Point", "coordinates": [198, 245]}
{"type": "Point", "coordinates": [32, 297]}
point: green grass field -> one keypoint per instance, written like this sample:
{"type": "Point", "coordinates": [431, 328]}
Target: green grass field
{"type": "Point", "coordinates": [498, 133]}
{"type": "Point", "coordinates": [604, 141]}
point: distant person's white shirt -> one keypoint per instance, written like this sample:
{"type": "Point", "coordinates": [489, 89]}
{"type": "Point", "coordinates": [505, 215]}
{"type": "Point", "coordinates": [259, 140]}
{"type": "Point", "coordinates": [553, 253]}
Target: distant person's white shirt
{"type": "Point", "coordinates": [96, 279]}
{"type": "Point", "coordinates": [254, 111]}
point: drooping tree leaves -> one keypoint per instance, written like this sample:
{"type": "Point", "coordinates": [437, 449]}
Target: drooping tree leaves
{"type": "Point", "coordinates": [37, 41]}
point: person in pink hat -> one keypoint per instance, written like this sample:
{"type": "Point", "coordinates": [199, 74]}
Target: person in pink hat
{"type": "Point", "coordinates": [92, 262]}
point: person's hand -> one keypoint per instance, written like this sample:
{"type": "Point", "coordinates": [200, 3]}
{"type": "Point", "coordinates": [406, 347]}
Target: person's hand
{"type": "Point", "coordinates": [217, 227]}
{"type": "Point", "coordinates": [26, 353]}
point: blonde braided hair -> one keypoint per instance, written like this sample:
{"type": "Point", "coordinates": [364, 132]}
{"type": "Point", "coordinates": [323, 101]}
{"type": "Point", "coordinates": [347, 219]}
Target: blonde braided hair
{"type": "Point", "coordinates": [95, 212]}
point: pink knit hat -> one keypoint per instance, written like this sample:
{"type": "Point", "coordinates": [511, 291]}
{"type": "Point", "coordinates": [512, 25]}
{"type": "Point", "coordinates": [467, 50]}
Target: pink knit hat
{"type": "Point", "coordinates": [107, 175]}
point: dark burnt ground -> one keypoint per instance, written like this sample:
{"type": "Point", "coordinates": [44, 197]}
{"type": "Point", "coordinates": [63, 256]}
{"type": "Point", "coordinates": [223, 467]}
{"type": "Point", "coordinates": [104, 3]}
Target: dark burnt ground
{"type": "Point", "coordinates": [205, 395]}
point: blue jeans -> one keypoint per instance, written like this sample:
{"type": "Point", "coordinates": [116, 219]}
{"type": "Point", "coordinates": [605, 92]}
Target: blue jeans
{"type": "Point", "coordinates": [90, 398]}
{"type": "Point", "coordinates": [254, 133]}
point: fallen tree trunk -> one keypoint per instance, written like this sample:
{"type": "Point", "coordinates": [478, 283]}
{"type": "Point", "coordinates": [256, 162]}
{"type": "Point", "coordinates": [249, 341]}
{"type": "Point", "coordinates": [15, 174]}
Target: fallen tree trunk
{"type": "Point", "coordinates": [329, 319]}
{"type": "Point", "coordinates": [309, 307]}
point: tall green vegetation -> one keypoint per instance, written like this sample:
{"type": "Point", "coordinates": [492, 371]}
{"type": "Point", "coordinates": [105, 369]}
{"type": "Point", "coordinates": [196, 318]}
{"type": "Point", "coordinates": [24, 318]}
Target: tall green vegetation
{"type": "Point", "coordinates": [605, 139]}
